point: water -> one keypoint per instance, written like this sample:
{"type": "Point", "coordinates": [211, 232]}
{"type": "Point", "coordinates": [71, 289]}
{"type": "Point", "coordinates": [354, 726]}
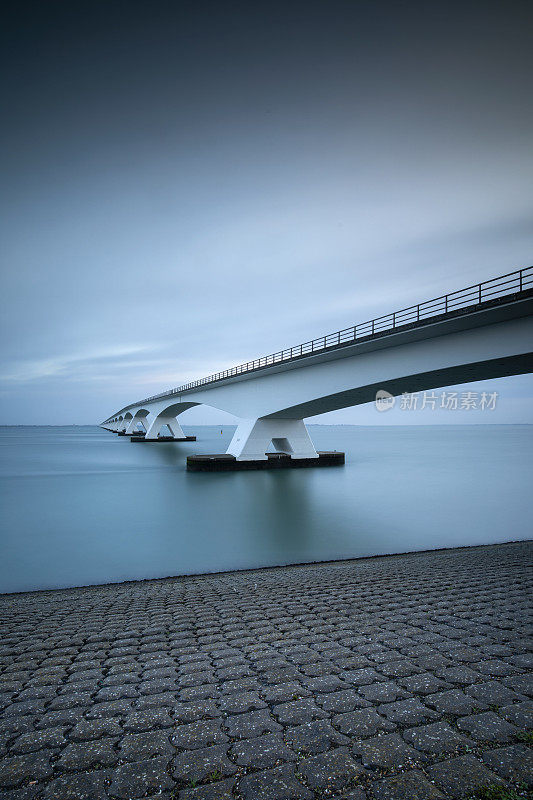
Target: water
{"type": "Point", "coordinates": [80, 505]}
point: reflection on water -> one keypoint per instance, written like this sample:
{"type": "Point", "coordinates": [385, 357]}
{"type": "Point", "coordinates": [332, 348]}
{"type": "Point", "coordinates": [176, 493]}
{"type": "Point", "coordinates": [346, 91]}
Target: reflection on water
{"type": "Point", "coordinates": [80, 505]}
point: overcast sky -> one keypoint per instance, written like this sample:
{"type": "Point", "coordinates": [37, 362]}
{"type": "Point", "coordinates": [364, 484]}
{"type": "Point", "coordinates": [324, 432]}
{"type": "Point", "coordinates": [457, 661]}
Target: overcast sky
{"type": "Point", "coordinates": [190, 185]}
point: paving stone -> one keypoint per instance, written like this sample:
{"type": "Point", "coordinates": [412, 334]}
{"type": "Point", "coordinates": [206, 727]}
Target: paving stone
{"type": "Point", "coordinates": [362, 723]}
{"type": "Point", "coordinates": [89, 729]}
{"type": "Point", "coordinates": [314, 737]}
{"type": "Point", "coordinates": [139, 721]}
{"type": "Point", "coordinates": [281, 676]}
{"type": "Point", "coordinates": [519, 714]}
{"type": "Point", "coordinates": [284, 692]}
{"type": "Point", "coordinates": [411, 785]}
{"type": "Point", "coordinates": [493, 693]}
{"type": "Point", "coordinates": [221, 790]}
{"type": "Point", "coordinates": [523, 684]}
{"type": "Point", "coordinates": [461, 776]}
{"type": "Point", "coordinates": [20, 769]}
{"type": "Point", "coordinates": [513, 763]}
{"type": "Point", "coordinates": [453, 702]}
{"type": "Point", "coordinates": [354, 794]}
{"type": "Point", "coordinates": [196, 679]}
{"type": "Point", "coordinates": [196, 735]}
{"type": "Point", "coordinates": [117, 692]}
{"type": "Point", "coordinates": [487, 727]}
{"type": "Point", "coordinates": [262, 752]}
{"type": "Point", "coordinates": [240, 702]}
{"type": "Point", "coordinates": [195, 766]}
{"type": "Point", "coordinates": [196, 710]}
{"type": "Point", "coordinates": [424, 683]}
{"type": "Point", "coordinates": [340, 702]}
{"type": "Point", "coordinates": [80, 786]}
{"type": "Point", "coordinates": [28, 793]}
{"type": "Point", "coordinates": [12, 726]}
{"type": "Point", "coordinates": [494, 667]}
{"type": "Point", "coordinates": [154, 701]}
{"type": "Point", "coordinates": [252, 724]}
{"type": "Point", "coordinates": [388, 751]}
{"type": "Point", "coordinates": [26, 707]}
{"type": "Point", "coordinates": [399, 668]}
{"type": "Point", "coordinates": [385, 692]}
{"type": "Point", "coordinates": [298, 712]}
{"type": "Point", "coordinates": [88, 755]}
{"type": "Point", "coordinates": [324, 683]}
{"type": "Point", "coordinates": [523, 661]}
{"type": "Point", "coordinates": [274, 784]}
{"type": "Point", "coordinates": [137, 780]}
{"type": "Point", "coordinates": [39, 740]}
{"type": "Point", "coordinates": [335, 771]}
{"type": "Point", "coordinates": [431, 661]}
{"type": "Point", "coordinates": [229, 687]}
{"type": "Point", "coordinates": [362, 677]}
{"type": "Point", "coordinates": [192, 693]}
{"type": "Point", "coordinates": [110, 708]}
{"type": "Point", "coordinates": [140, 746]}
{"type": "Point", "coordinates": [437, 738]}
{"type": "Point", "coordinates": [73, 700]}
{"type": "Point", "coordinates": [459, 674]}
{"type": "Point", "coordinates": [407, 712]}
{"type": "Point", "coordinates": [38, 692]}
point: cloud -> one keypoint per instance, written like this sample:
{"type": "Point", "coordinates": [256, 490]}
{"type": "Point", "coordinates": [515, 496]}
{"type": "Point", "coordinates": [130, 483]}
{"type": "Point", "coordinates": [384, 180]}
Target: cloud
{"type": "Point", "coordinates": [68, 366]}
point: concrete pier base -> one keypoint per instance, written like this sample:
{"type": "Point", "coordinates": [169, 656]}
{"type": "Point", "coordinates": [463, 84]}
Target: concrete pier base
{"type": "Point", "coordinates": [163, 439]}
{"type": "Point", "coordinates": [228, 463]}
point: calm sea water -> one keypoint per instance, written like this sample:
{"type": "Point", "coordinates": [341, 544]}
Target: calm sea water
{"type": "Point", "coordinates": [80, 505]}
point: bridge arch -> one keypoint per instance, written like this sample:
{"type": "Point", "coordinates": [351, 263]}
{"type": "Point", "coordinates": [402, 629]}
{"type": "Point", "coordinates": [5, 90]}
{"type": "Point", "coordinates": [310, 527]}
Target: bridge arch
{"type": "Point", "coordinates": [140, 416]}
{"type": "Point", "coordinates": [166, 414]}
{"type": "Point", "coordinates": [124, 421]}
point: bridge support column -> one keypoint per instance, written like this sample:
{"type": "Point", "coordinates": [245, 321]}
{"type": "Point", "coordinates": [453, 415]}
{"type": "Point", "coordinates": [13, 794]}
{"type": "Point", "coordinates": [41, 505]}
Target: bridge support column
{"type": "Point", "coordinates": [253, 437]}
{"type": "Point", "coordinates": [155, 426]}
{"type": "Point", "coordinates": [133, 424]}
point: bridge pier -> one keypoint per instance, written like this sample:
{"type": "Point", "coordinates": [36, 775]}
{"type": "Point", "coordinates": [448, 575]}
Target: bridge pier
{"type": "Point", "coordinates": [133, 424]}
{"type": "Point", "coordinates": [253, 437]}
{"type": "Point", "coordinates": [159, 422]}
{"type": "Point", "coordinates": [154, 426]}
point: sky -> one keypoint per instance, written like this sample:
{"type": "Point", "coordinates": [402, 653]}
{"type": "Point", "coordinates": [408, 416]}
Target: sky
{"type": "Point", "coordinates": [189, 185]}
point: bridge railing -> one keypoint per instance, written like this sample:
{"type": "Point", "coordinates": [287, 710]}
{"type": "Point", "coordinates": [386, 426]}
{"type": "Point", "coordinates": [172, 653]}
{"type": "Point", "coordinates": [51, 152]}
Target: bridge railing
{"type": "Point", "coordinates": [509, 286]}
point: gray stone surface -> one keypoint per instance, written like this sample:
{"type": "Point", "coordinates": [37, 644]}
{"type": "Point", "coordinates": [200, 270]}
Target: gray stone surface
{"type": "Point", "coordinates": [379, 679]}
{"type": "Point", "coordinates": [389, 751]}
{"type": "Point", "coordinates": [412, 785]}
{"type": "Point", "coordinates": [462, 776]}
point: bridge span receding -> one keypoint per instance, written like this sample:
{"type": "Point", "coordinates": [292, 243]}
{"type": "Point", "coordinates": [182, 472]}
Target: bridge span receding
{"type": "Point", "coordinates": [480, 332]}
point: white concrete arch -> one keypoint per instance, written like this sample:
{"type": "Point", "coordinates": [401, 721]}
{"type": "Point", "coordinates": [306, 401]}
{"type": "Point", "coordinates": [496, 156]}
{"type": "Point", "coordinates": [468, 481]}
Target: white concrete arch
{"type": "Point", "coordinates": [125, 420]}
{"type": "Point", "coordinates": [140, 416]}
{"type": "Point", "coordinates": [166, 414]}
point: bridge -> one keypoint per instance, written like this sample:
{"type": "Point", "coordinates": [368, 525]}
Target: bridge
{"type": "Point", "coordinates": [480, 332]}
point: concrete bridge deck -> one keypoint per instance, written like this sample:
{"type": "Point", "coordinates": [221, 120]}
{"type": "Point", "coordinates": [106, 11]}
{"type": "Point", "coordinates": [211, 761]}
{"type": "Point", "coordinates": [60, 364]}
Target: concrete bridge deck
{"type": "Point", "coordinates": [379, 679]}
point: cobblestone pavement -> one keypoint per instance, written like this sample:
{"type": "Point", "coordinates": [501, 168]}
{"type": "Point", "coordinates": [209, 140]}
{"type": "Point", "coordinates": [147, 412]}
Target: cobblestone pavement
{"type": "Point", "coordinates": [379, 679]}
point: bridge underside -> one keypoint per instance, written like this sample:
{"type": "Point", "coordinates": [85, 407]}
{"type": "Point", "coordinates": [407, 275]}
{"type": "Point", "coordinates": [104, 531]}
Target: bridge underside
{"type": "Point", "coordinates": [424, 381]}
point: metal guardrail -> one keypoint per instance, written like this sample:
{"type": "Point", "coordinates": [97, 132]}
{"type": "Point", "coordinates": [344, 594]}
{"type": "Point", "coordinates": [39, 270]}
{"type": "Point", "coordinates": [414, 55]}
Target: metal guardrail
{"type": "Point", "coordinates": [509, 286]}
